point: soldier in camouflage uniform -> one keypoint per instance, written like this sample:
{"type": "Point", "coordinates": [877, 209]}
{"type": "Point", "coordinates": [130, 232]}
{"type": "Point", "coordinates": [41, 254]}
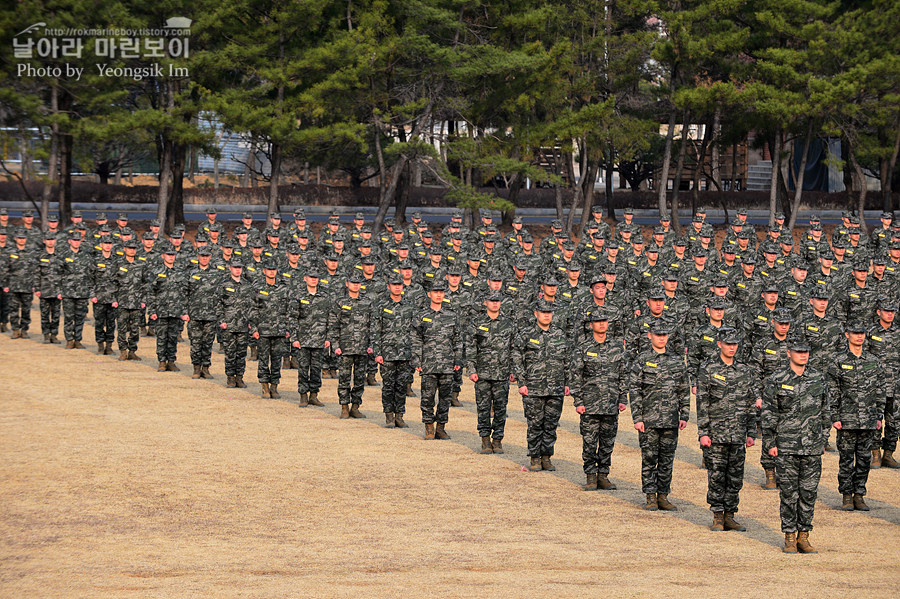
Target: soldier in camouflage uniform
{"type": "Point", "coordinates": [310, 307]}
{"type": "Point", "coordinates": [232, 314]}
{"type": "Point", "coordinates": [166, 292]}
{"type": "Point", "coordinates": [489, 360]}
{"type": "Point", "coordinates": [883, 341]}
{"type": "Point", "coordinates": [18, 278]}
{"type": "Point", "coordinates": [104, 285]}
{"type": "Point", "coordinates": [660, 404]}
{"type": "Point", "coordinates": [268, 325]}
{"type": "Point", "coordinates": [540, 358]}
{"type": "Point", "coordinates": [858, 299]}
{"type": "Point", "coordinates": [130, 300]}
{"type": "Point", "coordinates": [856, 385]}
{"type": "Point", "coordinates": [600, 391]}
{"type": "Point", "coordinates": [727, 398]}
{"type": "Point", "coordinates": [48, 288]}
{"type": "Point", "coordinates": [75, 290]}
{"type": "Point", "coordinates": [4, 258]}
{"type": "Point", "coordinates": [392, 320]}
{"type": "Point", "coordinates": [795, 412]}
{"type": "Point", "coordinates": [437, 354]}
{"type": "Point", "coordinates": [203, 284]}
{"type": "Point", "coordinates": [349, 326]}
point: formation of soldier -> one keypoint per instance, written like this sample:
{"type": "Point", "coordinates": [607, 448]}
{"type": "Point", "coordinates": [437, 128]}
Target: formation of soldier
{"type": "Point", "coordinates": [779, 338]}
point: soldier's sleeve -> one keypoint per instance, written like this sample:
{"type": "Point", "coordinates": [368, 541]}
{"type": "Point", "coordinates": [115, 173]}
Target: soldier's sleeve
{"type": "Point", "coordinates": [418, 342]}
{"type": "Point", "coordinates": [828, 413]}
{"type": "Point", "coordinates": [576, 378]}
{"type": "Point", "coordinates": [635, 395]}
{"type": "Point", "coordinates": [833, 385]}
{"type": "Point", "coordinates": [684, 393]}
{"type": "Point", "coordinates": [334, 323]}
{"type": "Point", "coordinates": [880, 394]}
{"type": "Point", "coordinates": [457, 343]}
{"type": "Point", "coordinates": [4, 270]}
{"type": "Point", "coordinates": [377, 322]}
{"type": "Point", "coordinates": [518, 361]}
{"type": "Point", "coordinates": [693, 359]}
{"type": "Point", "coordinates": [769, 414]}
{"type": "Point", "coordinates": [703, 402]}
{"type": "Point", "coordinates": [471, 346]}
{"type": "Point", "coordinates": [756, 392]}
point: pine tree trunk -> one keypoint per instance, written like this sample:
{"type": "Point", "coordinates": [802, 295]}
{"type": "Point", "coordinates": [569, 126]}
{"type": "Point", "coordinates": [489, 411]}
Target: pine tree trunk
{"type": "Point", "coordinates": [776, 169]}
{"type": "Point", "coordinates": [663, 181]}
{"type": "Point", "coordinates": [799, 176]}
{"type": "Point", "coordinates": [276, 176]}
{"type": "Point", "coordinates": [52, 159]}
{"type": "Point", "coordinates": [863, 189]}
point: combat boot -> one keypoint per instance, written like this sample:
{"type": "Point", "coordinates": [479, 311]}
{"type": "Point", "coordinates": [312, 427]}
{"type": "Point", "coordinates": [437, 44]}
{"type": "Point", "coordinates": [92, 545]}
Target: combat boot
{"type": "Point", "coordinates": [354, 411]}
{"type": "Point", "coordinates": [101, 348]}
{"type": "Point", "coordinates": [535, 464]}
{"type": "Point", "coordinates": [429, 431]}
{"type": "Point", "coordinates": [847, 502]}
{"type": "Point", "coordinates": [770, 480]}
{"type": "Point", "coordinates": [78, 344]}
{"type": "Point", "coordinates": [133, 356]}
{"type": "Point", "coordinates": [732, 524]}
{"type": "Point", "coordinates": [398, 420]}
{"type": "Point", "coordinates": [803, 545]}
{"type": "Point", "coordinates": [876, 459]}
{"type": "Point", "coordinates": [662, 500]}
{"type": "Point", "coordinates": [264, 393]}
{"type": "Point", "coordinates": [546, 464]}
{"type": "Point", "coordinates": [790, 542]}
{"type": "Point", "coordinates": [718, 524]}
{"type": "Point", "coordinates": [204, 372]}
{"type": "Point", "coordinates": [409, 391]}
{"type": "Point", "coordinates": [439, 432]}
{"type": "Point", "coordinates": [2, 327]}
{"type": "Point", "coordinates": [286, 363]}
{"type": "Point", "coordinates": [370, 380]}
{"type": "Point", "coordinates": [486, 445]}
{"type": "Point", "coordinates": [304, 400]}
{"type": "Point", "coordinates": [161, 367]}
{"type": "Point", "coordinates": [314, 399]}
{"type": "Point", "coordinates": [651, 505]}
{"type": "Point", "coordinates": [70, 344]}
{"type": "Point", "coordinates": [123, 355]}
{"type": "Point", "coordinates": [590, 483]}
{"type": "Point", "coordinates": [239, 381]}
{"type": "Point", "coordinates": [497, 446]}
{"type": "Point", "coordinates": [230, 382]}
{"type": "Point", "coordinates": [604, 484]}
{"type": "Point", "coordinates": [109, 350]}
{"type": "Point", "coordinates": [389, 421]}
{"type": "Point", "coordinates": [345, 411]}
{"type": "Point", "coordinates": [53, 338]}
{"type": "Point", "coordinates": [859, 503]}
{"type": "Point", "coordinates": [23, 334]}
{"type": "Point", "coordinates": [888, 461]}
{"type": "Point", "coordinates": [15, 334]}
{"type": "Point", "coordinates": [273, 391]}
{"type": "Point", "coordinates": [454, 399]}
{"type": "Point", "coordinates": [196, 374]}
{"type": "Point", "coordinates": [171, 367]}
{"type": "Point", "coordinates": [254, 354]}
{"type": "Point", "coordinates": [46, 338]}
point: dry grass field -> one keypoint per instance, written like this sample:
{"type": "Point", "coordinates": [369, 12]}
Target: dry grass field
{"type": "Point", "coordinates": [117, 481]}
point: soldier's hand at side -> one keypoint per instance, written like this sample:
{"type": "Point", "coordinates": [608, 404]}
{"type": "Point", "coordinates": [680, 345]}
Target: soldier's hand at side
{"type": "Point", "coordinates": [837, 425]}
{"type": "Point", "coordinates": [750, 441]}
{"type": "Point", "coordinates": [418, 369]}
{"type": "Point", "coordinates": [143, 305]}
{"type": "Point", "coordinates": [759, 402]}
{"type": "Point", "coordinates": [114, 304]}
{"type": "Point", "coordinates": [705, 441]}
{"type": "Point", "coordinates": [682, 424]}
{"type": "Point", "coordinates": [327, 344]}
{"type": "Point", "coordinates": [639, 426]}
{"type": "Point", "coordinates": [773, 452]}
{"type": "Point", "coordinates": [93, 300]}
{"type": "Point", "coordinates": [579, 409]}
{"type": "Point", "coordinates": [456, 367]}
{"type": "Point", "coordinates": [256, 335]}
{"type": "Point", "coordinates": [368, 350]}
{"type": "Point", "coordinates": [58, 296]}
{"type": "Point", "coordinates": [512, 378]}
{"type": "Point", "coordinates": [38, 295]}
{"type": "Point", "coordinates": [567, 391]}
{"type": "Point", "coordinates": [153, 317]}
{"type": "Point", "coordinates": [523, 390]}
{"type": "Point", "coordinates": [622, 407]}
{"type": "Point", "coordinates": [6, 290]}
{"type": "Point", "coordinates": [296, 344]}
{"type": "Point", "coordinates": [379, 359]}
{"type": "Point", "coordinates": [694, 390]}
{"type": "Point", "coordinates": [337, 351]}
{"type": "Point", "coordinates": [223, 326]}
{"type": "Point", "coordinates": [473, 377]}
{"type": "Point", "coordinates": [185, 317]}
{"type": "Point", "coordinates": [878, 425]}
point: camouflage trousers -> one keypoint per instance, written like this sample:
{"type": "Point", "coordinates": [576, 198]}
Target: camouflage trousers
{"type": "Point", "coordinates": [351, 378]}
{"type": "Point", "coordinates": [104, 322]}
{"type": "Point", "coordinates": [50, 315]}
{"type": "Point", "coordinates": [542, 414]}
{"type": "Point", "coordinates": [725, 473]}
{"type": "Point", "coordinates": [129, 323]}
{"type": "Point", "coordinates": [855, 458]}
{"type": "Point", "coordinates": [329, 360]}
{"type": "Point", "coordinates": [309, 370]}
{"type": "Point", "coordinates": [4, 307]}
{"type": "Point", "coordinates": [235, 344]}
{"type": "Point", "coordinates": [202, 333]}
{"type": "Point", "coordinates": [74, 311]}
{"type": "Point", "coordinates": [20, 309]}
{"type": "Point", "coordinates": [491, 395]}
{"type": "Point", "coordinates": [598, 437]}
{"type": "Point", "coordinates": [396, 376]}
{"type": "Point", "coordinates": [271, 351]}
{"type": "Point", "coordinates": [440, 384]}
{"type": "Point", "coordinates": [371, 365]}
{"type": "Point", "coordinates": [891, 428]}
{"type": "Point", "coordinates": [765, 460]}
{"type": "Point", "coordinates": [798, 484]}
{"type": "Point", "coordinates": [657, 459]}
{"type": "Point", "coordinates": [167, 329]}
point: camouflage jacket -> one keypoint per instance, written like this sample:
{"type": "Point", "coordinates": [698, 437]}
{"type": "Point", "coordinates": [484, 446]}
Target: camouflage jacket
{"type": "Point", "coordinates": [20, 272]}
{"type": "Point", "coordinates": [269, 316]}
{"type": "Point", "coordinates": [824, 335]}
{"type": "Point", "coordinates": [235, 304]}
{"type": "Point", "coordinates": [659, 392]}
{"type": "Point", "coordinates": [744, 291]}
{"type": "Point", "coordinates": [489, 351]}
{"type": "Point", "coordinates": [203, 292]}
{"type": "Point", "coordinates": [884, 344]}
{"type": "Point", "coordinates": [796, 413]}
{"type": "Point", "coordinates": [437, 340]}
{"type": "Point", "coordinates": [391, 325]}
{"type": "Point", "coordinates": [308, 315]}
{"type": "Point", "coordinates": [349, 324]}
{"type": "Point", "coordinates": [856, 303]}
{"type": "Point", "coordinates": [130, 284]}
{"type": "Point", "coordinates": [104, 274]}
{"type": "Point", "coordinates": [541, 359]}
{"type": "Point", "coordinates": [769, 355]}
{"type": "Point", "coordinates": [600, 376]}
{"type": "Point", "coordinates": [167, 292]}
{"type": "Point", "coordinates": [48, 273]}
{"type": "Point", "coordinates": [703, 345]}
{"type": "Point", "coordinates": [75, 278]}
{"type": "Point", "coordinates": [726, 401]}
{"type": "Point", "coordinates": [857, 389]}
{"type": "Point", "coordinates": [639, 342]}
